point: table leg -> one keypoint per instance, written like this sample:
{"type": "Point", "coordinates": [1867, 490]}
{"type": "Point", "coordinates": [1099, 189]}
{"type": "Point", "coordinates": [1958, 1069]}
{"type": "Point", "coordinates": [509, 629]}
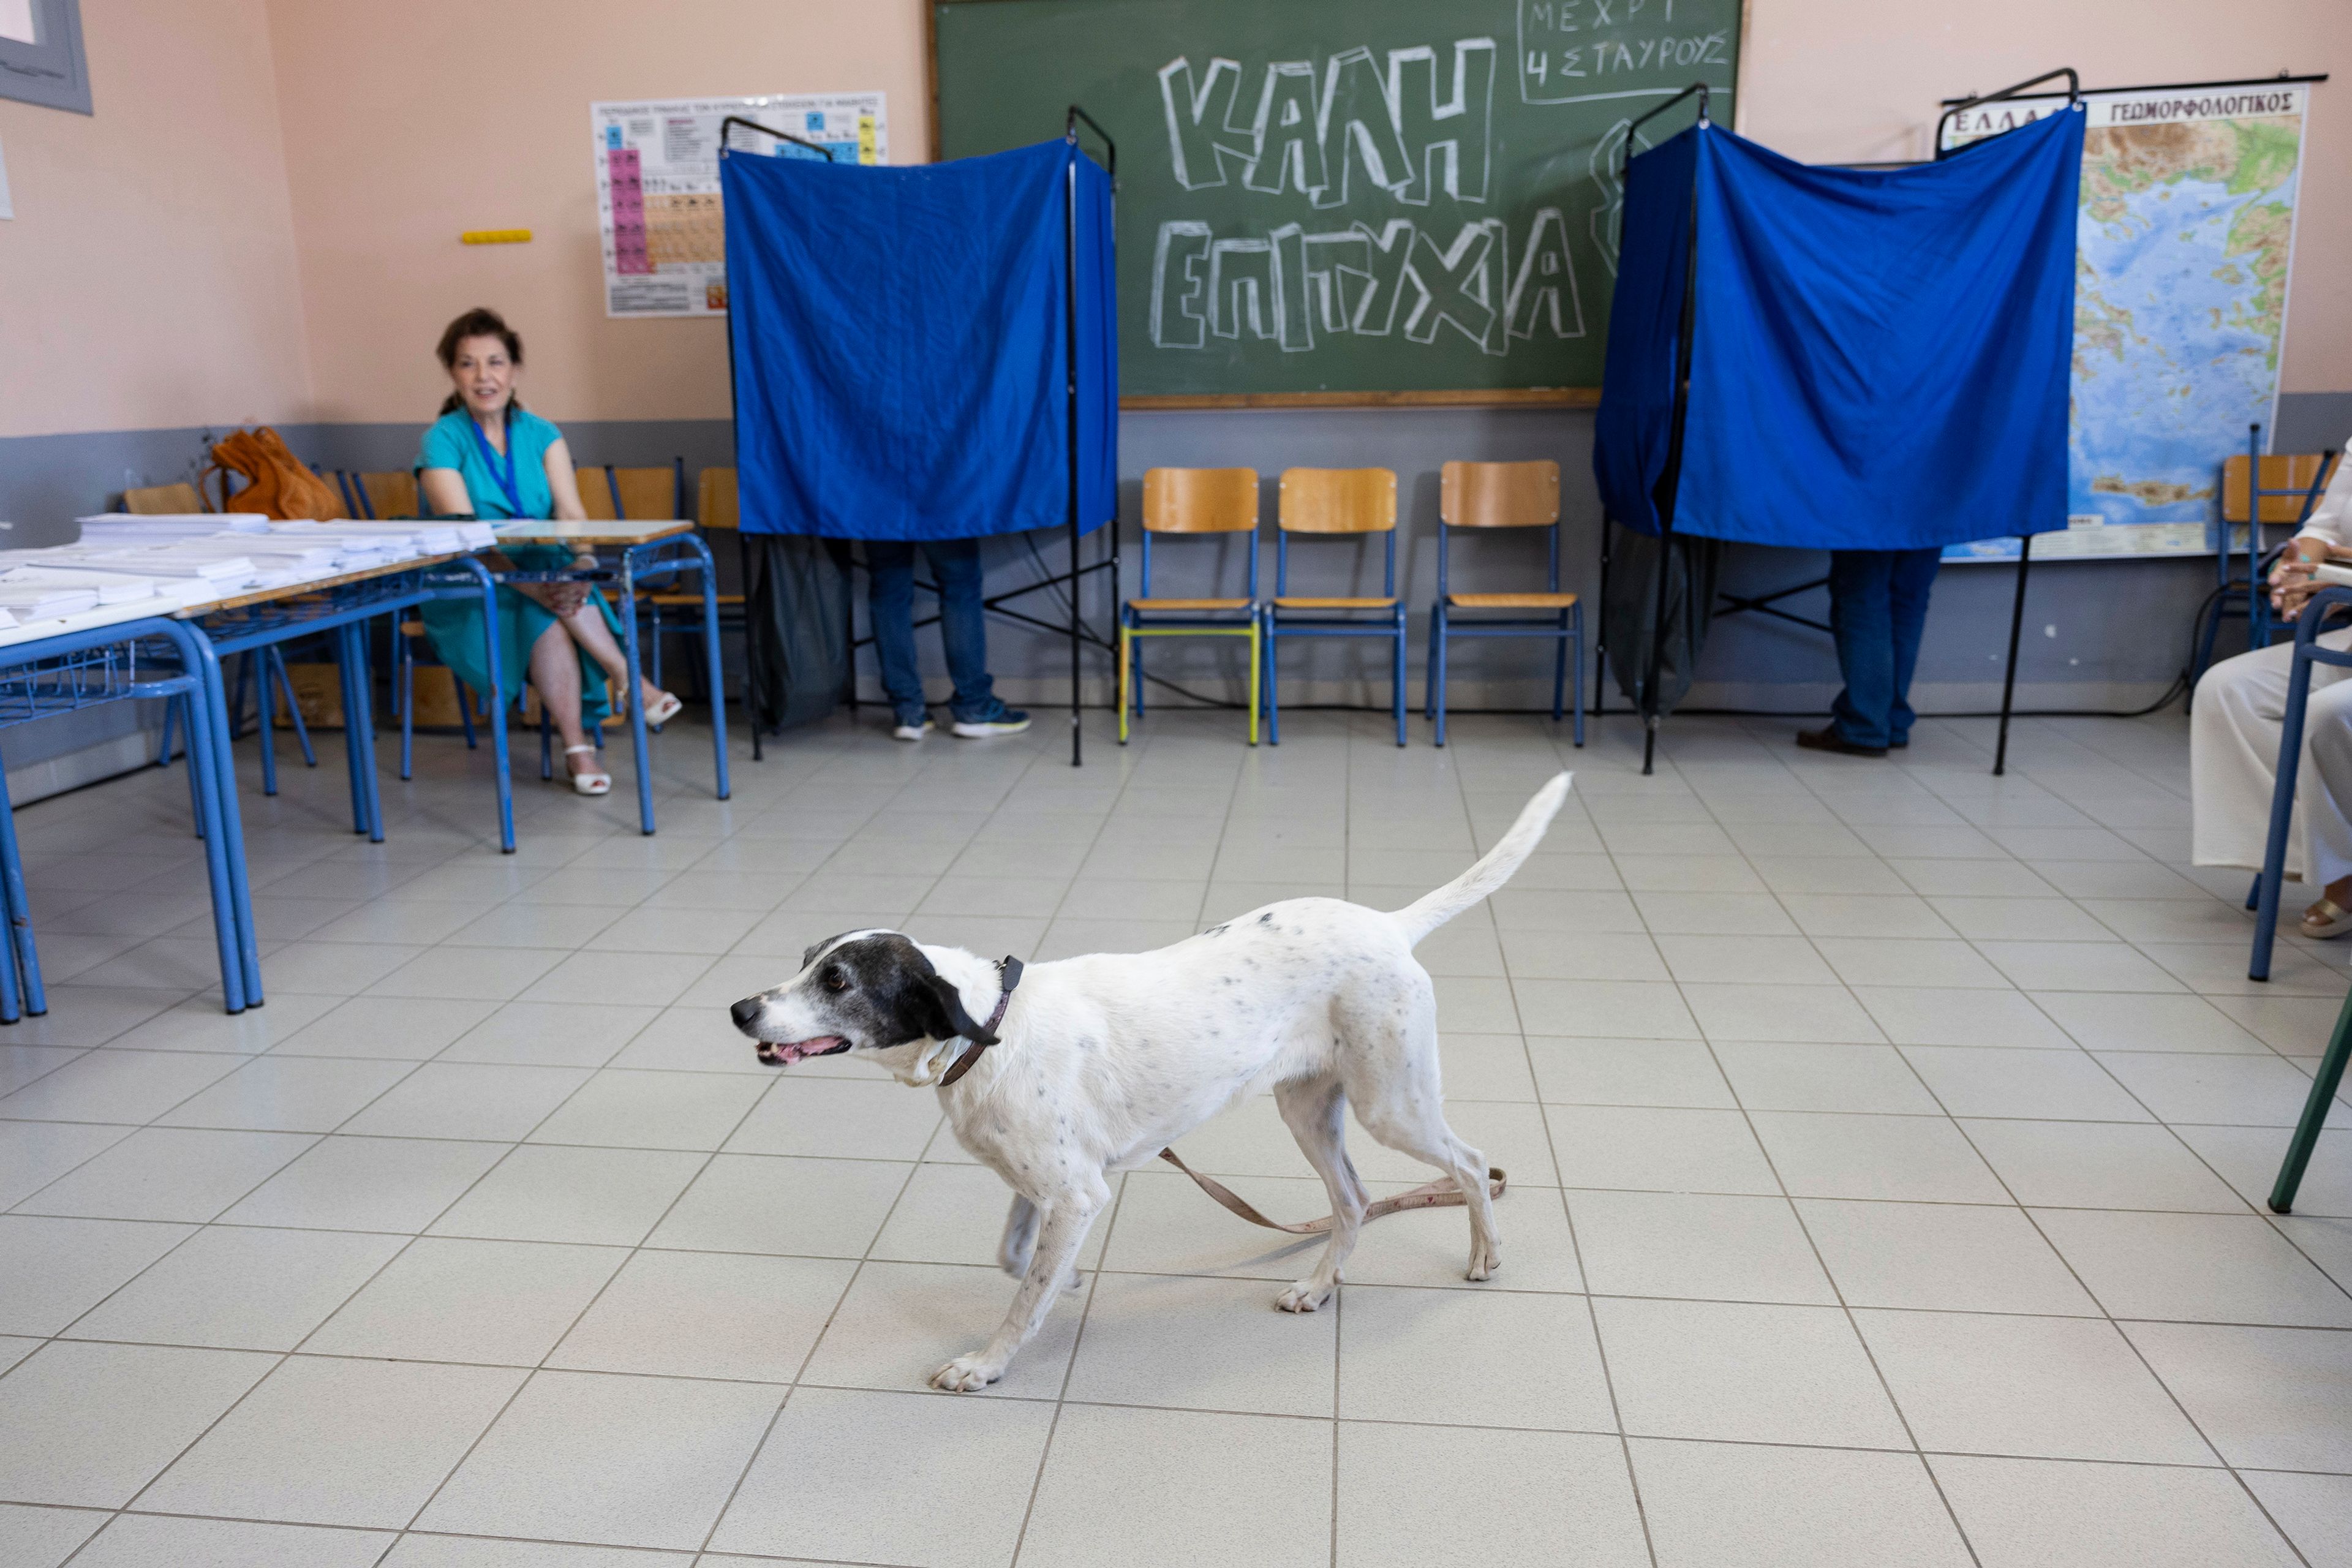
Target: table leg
{"type": "Point", "coordinates": [351, 728]}
{"type": "Point", "coordinates": [635, 692]}
{"type": "Point", "coordinates": [22, 961]}
{"type": "Point", "coordinates": [718, 672]}
{"type": "Point", "coordinates": [205, 774]}
{"type": "Point", "coordinates": [196, 650]}
{"type": "Point", "coordinates": [498, 701]}
{"type": "Point", "coordinates": [361, 726]}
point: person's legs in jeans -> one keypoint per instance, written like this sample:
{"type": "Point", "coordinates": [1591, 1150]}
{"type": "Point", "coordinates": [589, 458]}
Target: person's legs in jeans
{"type": "Point", "coordinates": [1861, 619]}
{"type": "Point", "coordinates": [1913, 575]}
{"type": "Point", "coordinates": [891, 597]}
{"type": "Point", "coordinates": [963, 627]}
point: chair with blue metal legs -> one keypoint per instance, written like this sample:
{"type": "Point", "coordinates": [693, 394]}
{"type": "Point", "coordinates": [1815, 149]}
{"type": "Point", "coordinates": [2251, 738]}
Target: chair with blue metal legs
{"type": "Point", "coordinates": [2307, 653]}
{"type": "Point", "coordinates": [1505, 495]}
{"type": "Point", "coordinates": [1197, 502]}
{"type": "Point", "coordinates": [1335, 501]}
{"type": "Point", "coordinates": [2284, 490]}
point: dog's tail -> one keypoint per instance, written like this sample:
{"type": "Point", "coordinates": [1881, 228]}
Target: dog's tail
{"type": "Point", "coordinates": [1426, 913]}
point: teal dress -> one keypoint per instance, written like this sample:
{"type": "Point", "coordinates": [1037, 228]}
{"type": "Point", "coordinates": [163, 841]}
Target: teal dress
{"type": "Point", "coordinates": [455, 625]}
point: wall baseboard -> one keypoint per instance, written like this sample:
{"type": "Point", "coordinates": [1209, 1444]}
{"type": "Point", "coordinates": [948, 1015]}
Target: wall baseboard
{"type": "Point", "coordinates": [71, 770]}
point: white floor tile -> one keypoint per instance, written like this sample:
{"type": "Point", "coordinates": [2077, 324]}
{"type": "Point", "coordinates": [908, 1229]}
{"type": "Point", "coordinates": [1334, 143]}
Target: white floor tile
{"type": "Point", "coordinates": [368, 1184]}
{"type": "Point", "coordinates": [598, 1196]}
{"type": "Point", "coordinates": [817, 1492]}
{"type": "Point", "coordinates": [1681, 1244]}
{"type": "Point", "coordinates": [230, 1287]}
{"type": "Point", "coordinates": [2268, 1398]}
{"type": "Point", "coordinates": [43, 1537]}
{"type": "Point", "coordinates": [2051, 1388]}
{"type": "Point", "coordinates": [87, 1425]}
{"type": "Point", "coordinates": [147, 1540]}
{"type": "Point", "coordinates": [2201, 1267]}
{"type": "Point", "coordinates": [1125, 1486]}
{"type": "Point", "coordinates": [1416, 1355]}
{"type": "Point", "coordinates": [451, 1299]}
{"type": "Point", "coordinates": [705, 1314]}
{"type": "Point", "coordinates": [1545, 1499]}
{"type": "Point", "coordinates": [168, 1173]}
{"type": "Point", "coordinates": [1963, 1257]}
{"type": "Point", "coordinates": [1745, 1505]}
{"type": "Point", "coordinates": [2020, 1511]}
{"type": "Point", "coordinates": [765, 1203]}
{"type": "Point", "coordinates": [1703, 1369]}
{"type": "Point", "coordinates": [617, 1461]}
{"type": "Point", "coordinates": [1204, 1344]}
{"type": "Point", "coordinates": [1657, 1149]}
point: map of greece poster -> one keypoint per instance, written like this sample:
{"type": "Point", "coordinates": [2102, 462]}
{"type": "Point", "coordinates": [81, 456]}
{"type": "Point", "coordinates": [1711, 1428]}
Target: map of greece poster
{"type": "Point", "coordinates": [2182, 250]}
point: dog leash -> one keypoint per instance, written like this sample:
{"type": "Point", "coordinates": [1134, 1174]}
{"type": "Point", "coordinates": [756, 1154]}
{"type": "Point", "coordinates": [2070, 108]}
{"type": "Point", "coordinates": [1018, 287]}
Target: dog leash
{"type": "Point", "coordinates": [1428, 1195]}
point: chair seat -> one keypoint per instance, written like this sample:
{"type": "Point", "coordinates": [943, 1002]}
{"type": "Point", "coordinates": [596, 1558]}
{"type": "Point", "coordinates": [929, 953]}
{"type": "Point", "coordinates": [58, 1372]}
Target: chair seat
{"type": "Point", "coordinates": [1188, 604]}
{"type": "Point", "coordinates": [1511, 600]}
{"type": "Point", "coordinates": [724, 599]}
{"type": "Point", "coordinates": [1297, 603]}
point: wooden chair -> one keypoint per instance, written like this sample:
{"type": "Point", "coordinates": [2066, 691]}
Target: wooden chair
{"type": "Point", "coordinates": [1504, 495]}
{"type": "Point", "coordinates": [2287, 487]}
{"type": "Point", "coordinates": [608, 494]}
{"type": "Point", "coordinates": [1334, 502]}
{"type": "Point", "coordinates": [674, 612]}
{"type": "Point", "coordinates": [164, 500]}
{"type": "Point", "coordinates": [378, 496]}
{"type": "Point", "coordinates": [1191, 501]}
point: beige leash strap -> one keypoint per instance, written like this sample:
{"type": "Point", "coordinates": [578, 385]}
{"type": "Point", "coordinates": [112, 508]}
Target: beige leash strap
{"type": "Point", "coordinates": [1428, 1195]}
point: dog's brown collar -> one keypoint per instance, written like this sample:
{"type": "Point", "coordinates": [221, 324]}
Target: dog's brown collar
{"type": "Point", "coordinates": [1008, 974]}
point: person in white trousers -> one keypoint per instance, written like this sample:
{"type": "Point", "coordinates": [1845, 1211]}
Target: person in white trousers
{"type": "Point", "coordinates": [2233, 739]}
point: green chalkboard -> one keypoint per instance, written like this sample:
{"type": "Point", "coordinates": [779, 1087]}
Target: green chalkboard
{"type": "Point", "coordinates": [1360, 201]}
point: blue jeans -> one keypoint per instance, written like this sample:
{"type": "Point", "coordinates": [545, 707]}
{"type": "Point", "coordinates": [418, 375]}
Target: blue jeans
{"type": "Point", "coordinates": [963, 626]}
{"type": "Point", "coordinates": [1878, 605]}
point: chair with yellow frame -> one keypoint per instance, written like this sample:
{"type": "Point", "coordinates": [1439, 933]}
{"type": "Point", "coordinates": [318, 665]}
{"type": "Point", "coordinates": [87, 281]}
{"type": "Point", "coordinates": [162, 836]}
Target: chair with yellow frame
{"type": "Point", "coordinates": [1211, 502]}
{"type": "Point", "coordinates": [1331, 502]}
{"type": "Point", "coordinates": [1493, 496]}
{"type": "Point", "coordinates": [609, 494]}
{"type": "Point", "coordinates": [379, 496]}
{"type": "Point", "coordinates": [164, 500]}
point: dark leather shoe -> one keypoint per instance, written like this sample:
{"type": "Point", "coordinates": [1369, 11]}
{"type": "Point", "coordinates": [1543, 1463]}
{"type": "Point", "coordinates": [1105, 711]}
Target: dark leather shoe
{"type": "Point", "coordinates": [1827, 739]}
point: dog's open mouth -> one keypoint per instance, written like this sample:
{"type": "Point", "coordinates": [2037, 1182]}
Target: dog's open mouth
{"type": "Point", "coordinates": [783, 1054]}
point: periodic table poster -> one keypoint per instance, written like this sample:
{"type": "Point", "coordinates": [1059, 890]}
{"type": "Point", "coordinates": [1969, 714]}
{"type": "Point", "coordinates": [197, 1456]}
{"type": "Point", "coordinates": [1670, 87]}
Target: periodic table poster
{"type": "Point", "coordinates": [658, 185]}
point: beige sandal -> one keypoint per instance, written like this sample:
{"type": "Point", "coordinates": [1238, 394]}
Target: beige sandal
{"type": "Point", "coordinates": [595, 782]}
{"type": "Point", "coordinates": [2326, 919]}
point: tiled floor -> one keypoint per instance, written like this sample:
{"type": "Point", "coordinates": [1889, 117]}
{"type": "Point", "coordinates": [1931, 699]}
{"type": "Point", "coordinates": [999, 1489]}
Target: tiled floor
{"type": "Point", "coordinates": [1886, 1144]}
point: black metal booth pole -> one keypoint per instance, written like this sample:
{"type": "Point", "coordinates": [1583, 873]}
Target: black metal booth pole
{"type": "Point", "coordinates": [743, 548]}
{"type": "Point", "coordinates": [1070, 355]}
{"type": "Point", "coordinates": [2024, 541]}
{"type": "Point", "coordinates": [1670, 481]}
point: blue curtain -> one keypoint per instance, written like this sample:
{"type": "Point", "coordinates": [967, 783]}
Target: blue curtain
{"type": "Point", "coordinates": [900, 343]}
{"type": "Point", "coordinates": [1879, 358]}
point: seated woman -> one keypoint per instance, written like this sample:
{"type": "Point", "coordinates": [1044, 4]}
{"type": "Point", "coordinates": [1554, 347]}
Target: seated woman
{"type": "Point", "coordinates": [2236, 724]}
{"type": "Point", "coordinates": [486, 457]}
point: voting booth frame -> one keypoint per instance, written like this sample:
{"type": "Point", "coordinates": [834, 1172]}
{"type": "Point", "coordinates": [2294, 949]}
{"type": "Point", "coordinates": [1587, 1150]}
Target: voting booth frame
{"type": "Point", "coordinates": [1079, 633]}
{"type": "Point", "coordinates": [1670, 480]}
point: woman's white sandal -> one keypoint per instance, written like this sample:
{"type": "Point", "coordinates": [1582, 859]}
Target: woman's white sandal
{"type": "Point", "coordinates": [598, 782]}
{"type": "Point", "coordinates": [2325, 920]}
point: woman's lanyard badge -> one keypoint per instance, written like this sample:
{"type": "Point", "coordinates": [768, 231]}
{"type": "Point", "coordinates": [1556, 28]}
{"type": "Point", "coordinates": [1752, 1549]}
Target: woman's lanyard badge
{"type": "Point", "coordinates": [501, 464]}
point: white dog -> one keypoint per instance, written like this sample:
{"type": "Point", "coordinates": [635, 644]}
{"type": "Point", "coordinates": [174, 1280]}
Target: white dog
{"type": "Point", "coordinates": [1100, 1062]}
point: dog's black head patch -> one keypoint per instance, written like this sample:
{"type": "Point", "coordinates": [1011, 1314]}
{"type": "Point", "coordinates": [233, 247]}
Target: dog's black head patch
{"type": "Point", "coordinates": [871, 991]}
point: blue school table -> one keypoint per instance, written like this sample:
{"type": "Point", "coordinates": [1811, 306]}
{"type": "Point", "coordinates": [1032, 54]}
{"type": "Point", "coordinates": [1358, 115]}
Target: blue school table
{"type": "Point", "coordinates": [651, 551]}
{"type": "Point", "coordinates": [98, 664]}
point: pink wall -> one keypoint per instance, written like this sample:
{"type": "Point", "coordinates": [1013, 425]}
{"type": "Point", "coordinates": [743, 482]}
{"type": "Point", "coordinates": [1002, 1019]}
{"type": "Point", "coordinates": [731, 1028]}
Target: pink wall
{"type": "Point", "coordinates": [1860, 79]}
{"type": "Point", "coordinates": [148, 279]}
{"type": "Point", "coordinates": [407, 124]}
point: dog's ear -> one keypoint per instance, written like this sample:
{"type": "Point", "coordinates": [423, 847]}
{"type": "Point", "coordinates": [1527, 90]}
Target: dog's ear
{"type": "Point", "coordinates": [947, 1019]}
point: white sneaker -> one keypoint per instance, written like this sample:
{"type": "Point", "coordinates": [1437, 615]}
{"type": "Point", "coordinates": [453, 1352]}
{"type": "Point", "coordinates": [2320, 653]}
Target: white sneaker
{"type": "Point", "coordinates": [1008, 722]}
{"type": "Point", "coordinates": [912, 731]}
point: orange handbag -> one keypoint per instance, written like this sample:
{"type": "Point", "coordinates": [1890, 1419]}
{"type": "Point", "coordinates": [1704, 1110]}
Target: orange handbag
{"type": "Point", "coordinates": [277, 483]}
